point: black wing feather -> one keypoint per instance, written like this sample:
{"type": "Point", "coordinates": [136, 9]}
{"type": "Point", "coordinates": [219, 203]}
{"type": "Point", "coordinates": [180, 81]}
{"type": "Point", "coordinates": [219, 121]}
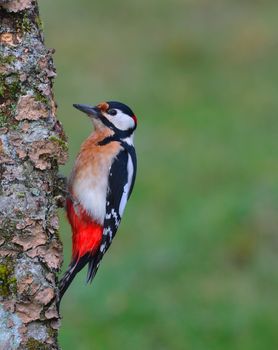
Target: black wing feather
{"type": "Point", "coordinates": [118, 178]}
{"type": "Point", "coordinates": [132, 153]}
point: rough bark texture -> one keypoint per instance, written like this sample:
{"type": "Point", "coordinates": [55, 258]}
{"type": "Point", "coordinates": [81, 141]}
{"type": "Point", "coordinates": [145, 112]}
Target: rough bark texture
{"type": "Point", "coordinates": [32, 144]}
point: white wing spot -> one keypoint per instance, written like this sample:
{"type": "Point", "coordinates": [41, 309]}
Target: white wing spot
{"type": "Point", "coordinates": [116, 218]}
{"type": "Point", "coordinates": [102, 247]}
{"type": "Point", "coordinates": [107, 232]}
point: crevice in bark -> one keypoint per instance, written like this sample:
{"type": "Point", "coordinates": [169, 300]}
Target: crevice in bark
{"type": "Point", "coordinates": [32, 145]}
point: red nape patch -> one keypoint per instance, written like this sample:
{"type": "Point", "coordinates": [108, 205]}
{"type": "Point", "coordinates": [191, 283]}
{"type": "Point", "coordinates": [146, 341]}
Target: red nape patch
{"type": "Point", "coordinates": [86, 234]}
{"type": "Point", "coordinates": [134, 118]}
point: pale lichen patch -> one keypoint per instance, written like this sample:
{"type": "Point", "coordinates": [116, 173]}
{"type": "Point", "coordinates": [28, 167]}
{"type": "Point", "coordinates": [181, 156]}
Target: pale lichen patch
{"type": "Point", "coordinates": [43, 151]}
{"type": "Point", "coordinates": [28, 241]}
{"type": "Point", "coordinates": [51, 255]}
{"type": "Point", "coordinates": [51, 312]}
{"type": "Point", "coordinates": [28, 311]}
{"type": "Point", "coordinates": [10, 324]}
{"type": "Point", "coordinates": [31, 236]}
{"type": "Point", "coordinates": [37, 331]}
{"type": "Point", "coordinates": [44, 296]}
{"type": "Point", "coordinates": [24, 286]}
{"type": "Point", "coordinates": [29, 108]}
{"type": "Point", "coordinates": [17, 5]}
{"type": "Point", "coordinates": [7, 38]}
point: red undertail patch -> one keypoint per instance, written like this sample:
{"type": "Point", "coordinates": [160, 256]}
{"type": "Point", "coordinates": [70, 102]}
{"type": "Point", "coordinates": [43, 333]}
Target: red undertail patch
{"type": "Point", "coordinates": [86, 234]}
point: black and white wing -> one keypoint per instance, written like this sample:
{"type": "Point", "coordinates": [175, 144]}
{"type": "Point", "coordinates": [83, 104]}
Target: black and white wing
{"type": "Point", "coordinates": [121, 181]}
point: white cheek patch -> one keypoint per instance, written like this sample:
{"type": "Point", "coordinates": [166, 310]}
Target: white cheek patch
{"type": "Point", "coordinates": [121, 120]}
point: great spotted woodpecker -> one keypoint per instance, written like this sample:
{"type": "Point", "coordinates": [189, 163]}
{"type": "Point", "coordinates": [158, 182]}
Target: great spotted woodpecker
{"type": "Point", "coordinates": [100, 185]}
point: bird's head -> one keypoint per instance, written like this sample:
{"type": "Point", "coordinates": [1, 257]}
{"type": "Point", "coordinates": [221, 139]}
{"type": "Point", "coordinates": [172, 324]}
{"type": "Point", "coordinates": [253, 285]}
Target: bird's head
{"type": "Point", "coordinates": [113, 115]}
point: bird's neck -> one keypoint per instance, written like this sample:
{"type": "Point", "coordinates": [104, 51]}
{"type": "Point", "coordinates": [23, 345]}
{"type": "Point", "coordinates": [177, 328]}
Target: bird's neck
{"type": "Point", "coordinates": [100, 134]}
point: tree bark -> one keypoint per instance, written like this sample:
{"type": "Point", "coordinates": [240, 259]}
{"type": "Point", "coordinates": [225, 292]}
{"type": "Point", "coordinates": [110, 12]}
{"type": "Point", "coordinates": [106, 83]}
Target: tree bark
{"type": "Point", "coordinates": [32, 144]}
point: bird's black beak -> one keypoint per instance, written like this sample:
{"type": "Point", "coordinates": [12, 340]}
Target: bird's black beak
{"type": "Point", "coordinates": [91, 111]}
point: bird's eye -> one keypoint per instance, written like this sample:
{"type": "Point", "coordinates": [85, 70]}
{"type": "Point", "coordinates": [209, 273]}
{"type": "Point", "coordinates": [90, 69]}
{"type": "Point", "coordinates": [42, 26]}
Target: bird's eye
{"type": "Point", "coordinates": [112, 111]}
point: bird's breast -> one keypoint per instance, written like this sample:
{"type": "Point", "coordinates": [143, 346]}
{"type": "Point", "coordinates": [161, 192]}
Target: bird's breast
{"type": "Point", "coordinates": [89, 179]}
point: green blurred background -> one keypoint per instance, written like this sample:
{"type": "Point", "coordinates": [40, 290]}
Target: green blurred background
{"type": "Point", "coordinates": [194, 265]}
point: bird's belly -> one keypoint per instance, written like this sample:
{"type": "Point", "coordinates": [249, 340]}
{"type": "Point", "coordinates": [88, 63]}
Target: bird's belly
{"type": "Point", "coordinates": [90, 192]}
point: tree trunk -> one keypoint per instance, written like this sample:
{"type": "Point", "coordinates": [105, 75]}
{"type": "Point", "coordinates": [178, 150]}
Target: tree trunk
{"type": "Point", "coordinates": [32, 144]}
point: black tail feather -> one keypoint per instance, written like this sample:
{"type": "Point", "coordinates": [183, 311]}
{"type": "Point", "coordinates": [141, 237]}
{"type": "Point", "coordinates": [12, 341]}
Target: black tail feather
{"type": "Point", "coordinates": [92, 270]}
{"type": "Point", "coordinates": [74, 267]}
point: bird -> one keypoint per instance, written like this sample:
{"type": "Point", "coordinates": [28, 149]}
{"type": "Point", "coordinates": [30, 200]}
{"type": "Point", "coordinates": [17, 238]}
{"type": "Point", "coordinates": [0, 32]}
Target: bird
{"type": "Point", "coordinates": [100, 184]}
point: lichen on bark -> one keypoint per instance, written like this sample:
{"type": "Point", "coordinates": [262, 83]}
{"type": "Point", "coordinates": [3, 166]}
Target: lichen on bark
{"type": "Point", "coordinates": [32, 145]}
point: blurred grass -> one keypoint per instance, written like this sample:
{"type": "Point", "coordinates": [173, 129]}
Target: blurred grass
{"type": "Point", "coordinates": [194, 265]}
